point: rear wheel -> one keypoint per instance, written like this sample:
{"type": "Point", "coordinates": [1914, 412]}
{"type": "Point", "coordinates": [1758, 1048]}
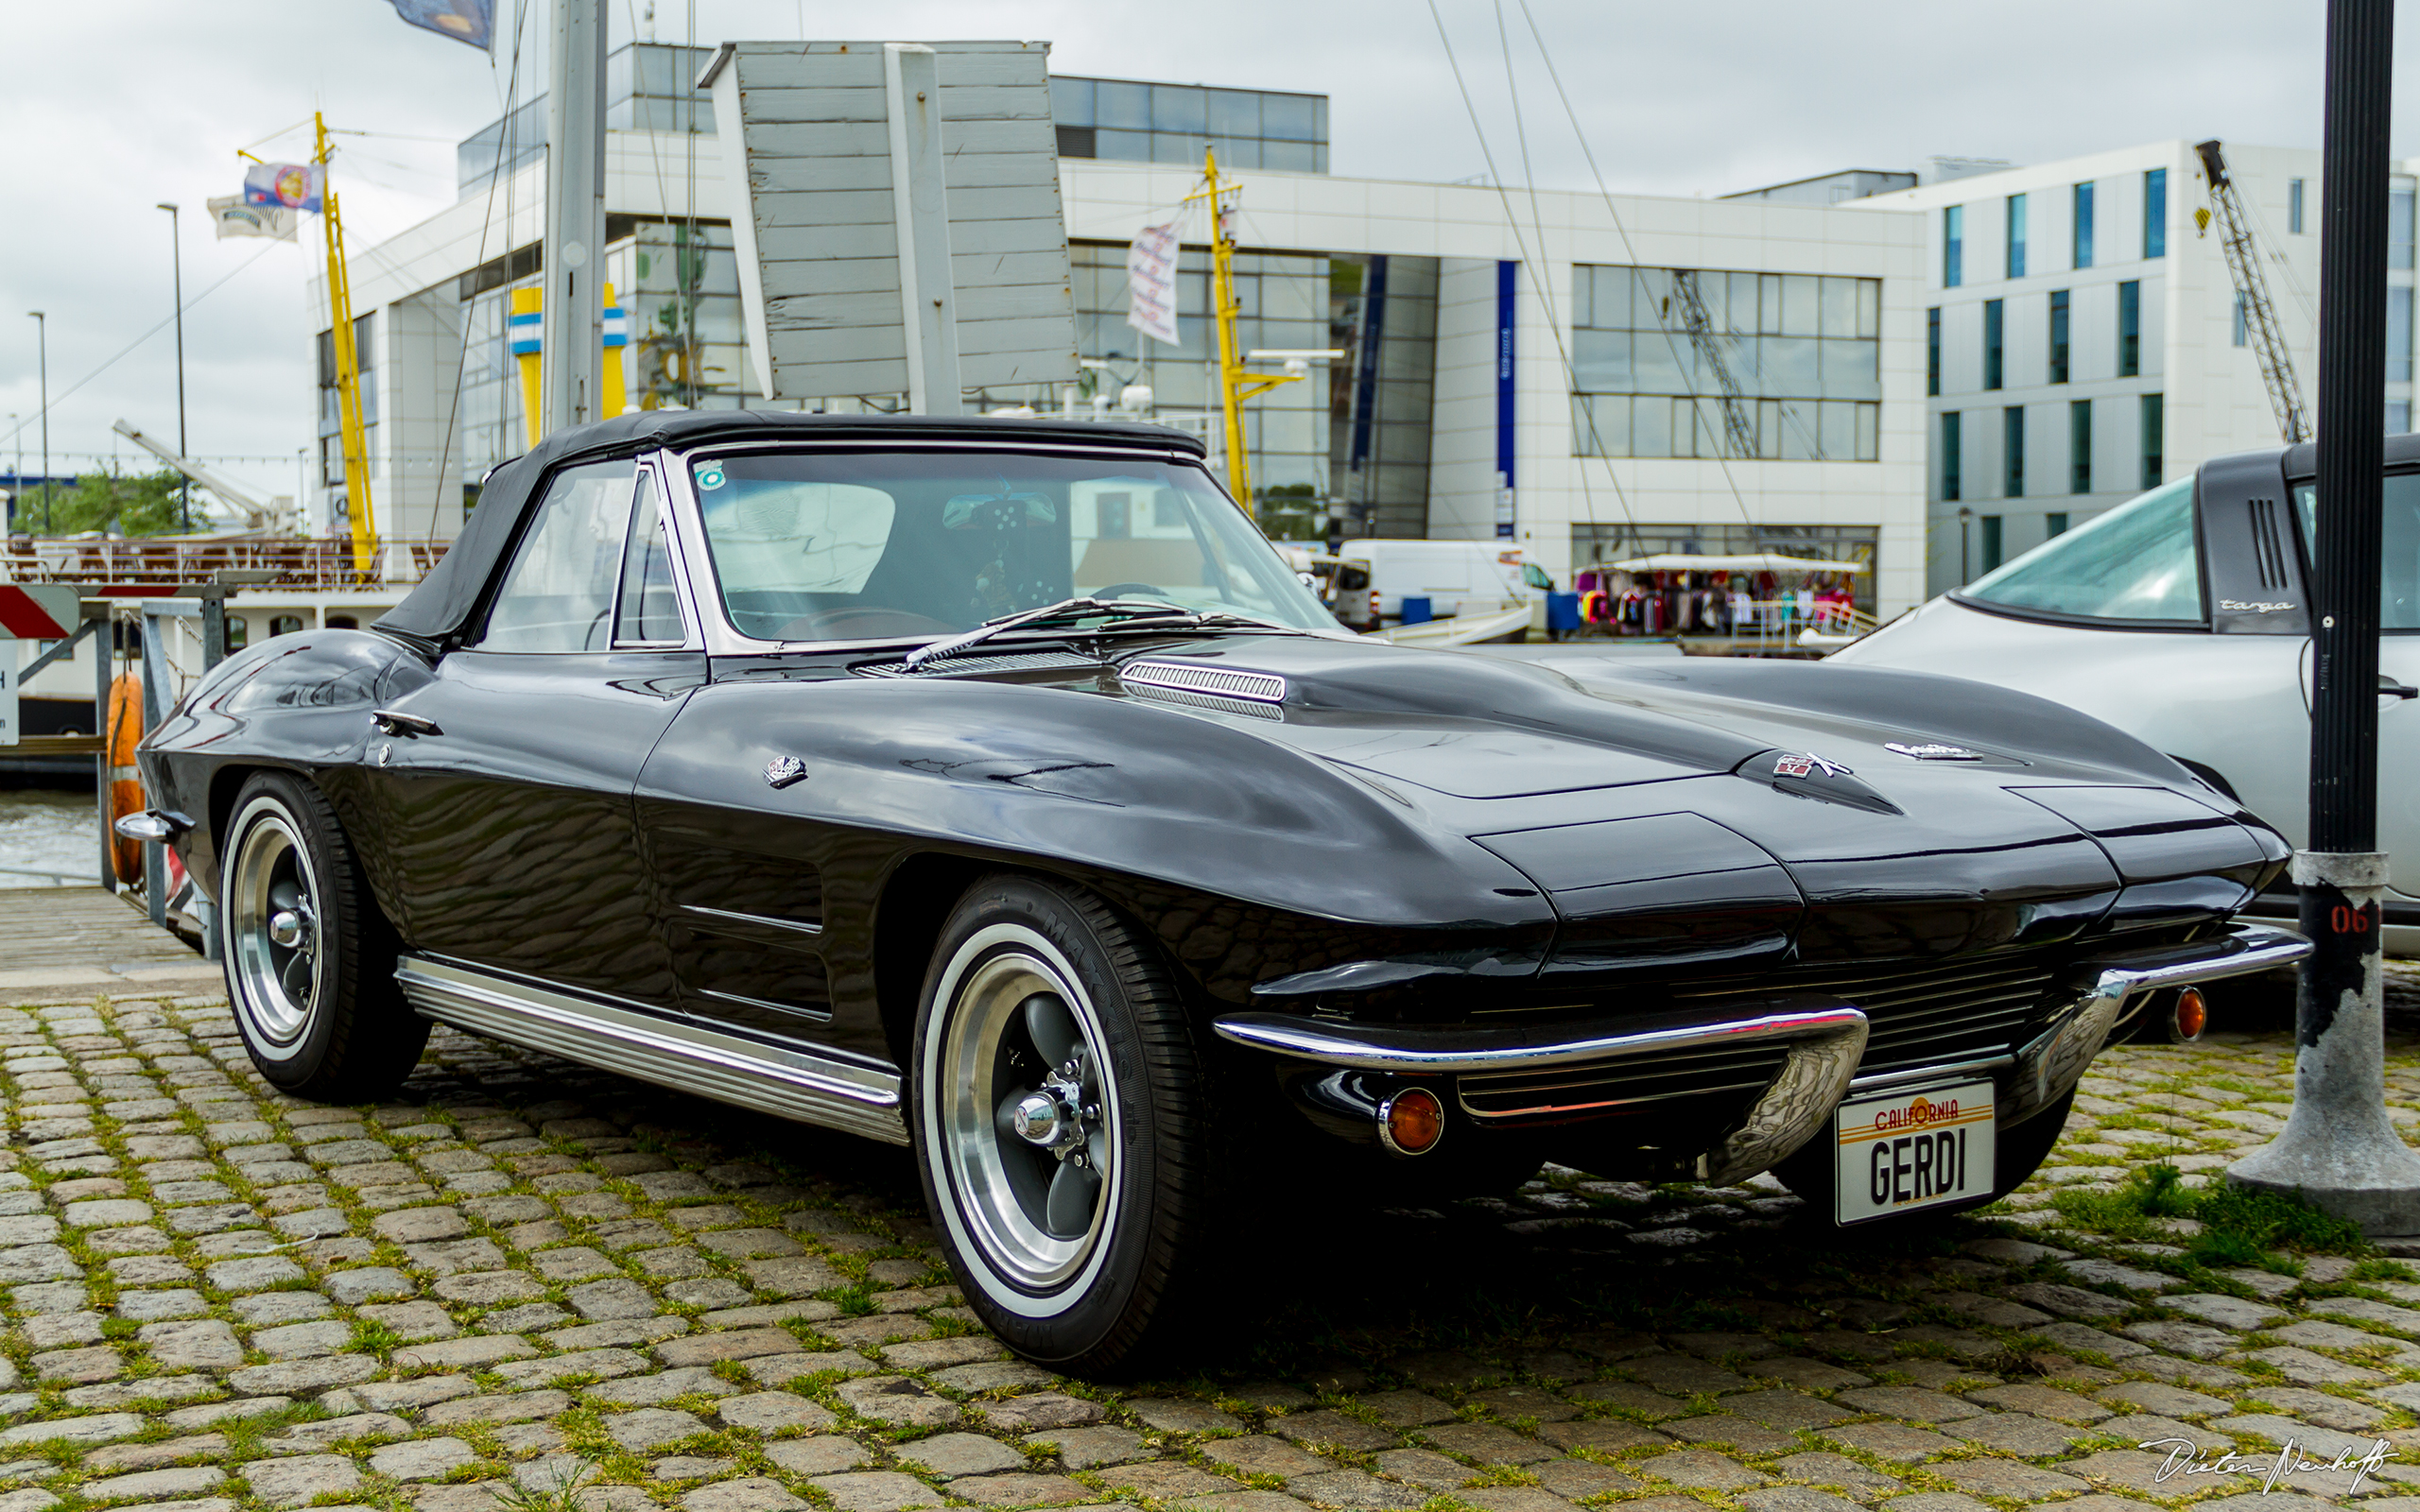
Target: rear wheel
{"type": "Point", "coordinates": [1059, 1124]}
{"type": "Point", "coordinates": [310, 961]}
{"type": "Point", "coordinates": [1812, 1173]}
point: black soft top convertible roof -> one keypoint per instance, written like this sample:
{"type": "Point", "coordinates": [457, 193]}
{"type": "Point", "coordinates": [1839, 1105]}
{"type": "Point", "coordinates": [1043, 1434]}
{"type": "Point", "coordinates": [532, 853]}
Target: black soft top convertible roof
{"type": "Point", "coordinates": [447, 600]}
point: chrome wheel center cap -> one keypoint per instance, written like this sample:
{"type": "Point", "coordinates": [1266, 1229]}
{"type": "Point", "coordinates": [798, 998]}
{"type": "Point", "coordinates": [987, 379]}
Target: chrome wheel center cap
{"type": "Point", "coordinates": [287, 928]}
{"type": "Point", "coordinates": [1038, 1119]}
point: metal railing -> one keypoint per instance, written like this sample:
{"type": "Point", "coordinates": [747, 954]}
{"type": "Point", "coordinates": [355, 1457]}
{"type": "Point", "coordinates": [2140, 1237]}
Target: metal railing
{"type": "Point", "coordinates": [57, 879]}
{"type": "Point", "coordinates": [322, 563]}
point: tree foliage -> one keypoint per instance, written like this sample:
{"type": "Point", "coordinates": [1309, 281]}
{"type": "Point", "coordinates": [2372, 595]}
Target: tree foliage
{"type": "Point", "coordinates": [136, 503]}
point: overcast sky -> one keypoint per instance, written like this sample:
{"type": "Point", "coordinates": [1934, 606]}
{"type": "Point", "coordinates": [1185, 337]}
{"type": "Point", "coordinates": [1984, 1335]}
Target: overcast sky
{"type": "Point", "coordinates": [113, 107]}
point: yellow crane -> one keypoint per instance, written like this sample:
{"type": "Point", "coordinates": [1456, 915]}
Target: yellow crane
{"type": "Point", "coordinates": [356, 451]}
{"type": "Point", "coordinates": [1236, 383]}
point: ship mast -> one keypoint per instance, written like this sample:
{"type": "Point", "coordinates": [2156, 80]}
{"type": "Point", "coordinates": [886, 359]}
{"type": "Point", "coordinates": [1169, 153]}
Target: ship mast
{"type": "Point", "coordinates": [356, 452]}
{"type": "Point", "coordinates": [1236, 383]}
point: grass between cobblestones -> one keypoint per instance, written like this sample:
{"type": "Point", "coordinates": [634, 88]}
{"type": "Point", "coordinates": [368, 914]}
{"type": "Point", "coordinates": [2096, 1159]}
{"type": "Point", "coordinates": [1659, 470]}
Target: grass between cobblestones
{"type": "Point", "coordinates": [528, 1285]}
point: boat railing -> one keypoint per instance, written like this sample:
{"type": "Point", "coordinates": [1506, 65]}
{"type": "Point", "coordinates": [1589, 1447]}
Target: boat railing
{"type": "Point", "coordinates": [320, 562]}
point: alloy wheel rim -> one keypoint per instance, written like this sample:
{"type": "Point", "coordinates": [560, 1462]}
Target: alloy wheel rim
{"type": "Point", "coordinates": [273, 930]}
{"type": "Point", "coordinates": [1027, 1118]}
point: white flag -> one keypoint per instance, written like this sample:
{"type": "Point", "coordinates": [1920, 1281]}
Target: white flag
{"type": "Point", "coordinates": [235, 218]}
{"type": "Point", "coordinates": [1150, 282]}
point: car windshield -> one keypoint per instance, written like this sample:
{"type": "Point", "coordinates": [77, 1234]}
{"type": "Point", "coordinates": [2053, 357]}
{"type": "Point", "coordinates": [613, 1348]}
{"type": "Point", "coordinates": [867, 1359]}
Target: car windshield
{"type": "Point", "coordinates": [837, 545]}
{"type": "Point", "coordinates": [2398, 547]}
{"type": "Point", "coordinates": [2136, 562]}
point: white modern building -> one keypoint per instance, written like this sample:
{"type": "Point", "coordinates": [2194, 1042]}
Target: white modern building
{"type": "Point", "coordinates": [1588, 377]}
{"type": "Point", "coordinates": [2085, 341]}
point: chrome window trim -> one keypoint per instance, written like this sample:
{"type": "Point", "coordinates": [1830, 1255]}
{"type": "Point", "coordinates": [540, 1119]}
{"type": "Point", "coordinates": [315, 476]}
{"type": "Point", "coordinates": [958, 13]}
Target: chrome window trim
{"type": "Point", "coordinates": [722, 638]}
{"type": "Point", "coordinates": [650, 466]}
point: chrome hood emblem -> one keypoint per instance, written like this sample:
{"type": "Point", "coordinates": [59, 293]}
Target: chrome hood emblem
{"type": "Point", "coordinates": [1930, 750]}
{"type": "Point", "coordinates": [1791, 763]}
{"type": "Point", "coordinates": [784, 771]}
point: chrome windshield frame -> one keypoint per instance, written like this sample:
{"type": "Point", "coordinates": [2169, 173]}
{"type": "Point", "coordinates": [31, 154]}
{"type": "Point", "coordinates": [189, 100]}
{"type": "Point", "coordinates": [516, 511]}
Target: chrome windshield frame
{"type": "Point", "coordinates": [724, 638]}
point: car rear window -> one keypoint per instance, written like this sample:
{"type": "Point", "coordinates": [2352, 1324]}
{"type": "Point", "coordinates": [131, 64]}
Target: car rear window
{"type": "Point", "coordinates": [2138, 563]}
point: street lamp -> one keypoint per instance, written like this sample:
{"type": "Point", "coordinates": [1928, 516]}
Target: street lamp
{"type": "Point", "coordinates": [1965, 518]}
{"type": "Point", "coordinates": [42, 336]}
{"type": "Point", "coordinates": [177, 262]}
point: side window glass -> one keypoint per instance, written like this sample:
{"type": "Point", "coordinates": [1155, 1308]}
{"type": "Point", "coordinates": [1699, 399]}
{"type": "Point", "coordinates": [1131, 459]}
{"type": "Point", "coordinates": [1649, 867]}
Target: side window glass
{"type": "Point", "coordinates": [650, 611]}
{"type": "Point", "coordinates": [2398, 546]}
{"type": "Point", "coordinates": [558, 596]}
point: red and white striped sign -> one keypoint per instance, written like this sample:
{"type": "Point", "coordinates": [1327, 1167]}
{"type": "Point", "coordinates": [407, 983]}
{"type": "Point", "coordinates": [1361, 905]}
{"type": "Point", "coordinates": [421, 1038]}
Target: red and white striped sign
{"type": "Point", "coordinates": [40, 612]}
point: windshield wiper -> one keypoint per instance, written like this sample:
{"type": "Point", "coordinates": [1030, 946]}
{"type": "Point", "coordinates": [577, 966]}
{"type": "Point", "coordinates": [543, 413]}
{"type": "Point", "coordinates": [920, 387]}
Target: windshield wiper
{"type": "Point", "coordinates": [1068, 609]}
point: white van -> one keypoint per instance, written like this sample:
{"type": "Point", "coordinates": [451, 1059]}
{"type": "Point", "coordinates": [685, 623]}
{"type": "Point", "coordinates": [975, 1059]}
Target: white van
{"type": "Point", "coordinates": [1455, 576]}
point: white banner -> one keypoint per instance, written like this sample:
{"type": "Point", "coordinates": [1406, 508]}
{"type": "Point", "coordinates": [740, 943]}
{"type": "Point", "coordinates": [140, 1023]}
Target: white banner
{"type": "Point", "coordinates": [1150, 282]}
{"type": "Point", "coordinates": [235, 218]}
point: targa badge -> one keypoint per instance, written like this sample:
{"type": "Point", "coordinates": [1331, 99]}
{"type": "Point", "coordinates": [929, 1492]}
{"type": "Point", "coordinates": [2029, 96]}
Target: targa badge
{"type": "Point", "coordinates": [710, 476]}
{"type": "Point", "coordinates": [784, 771]}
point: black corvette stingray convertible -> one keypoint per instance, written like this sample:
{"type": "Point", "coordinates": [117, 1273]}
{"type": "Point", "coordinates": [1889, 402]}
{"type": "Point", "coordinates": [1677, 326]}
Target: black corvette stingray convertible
{"type": "Point", "coordinates": [993, 788]}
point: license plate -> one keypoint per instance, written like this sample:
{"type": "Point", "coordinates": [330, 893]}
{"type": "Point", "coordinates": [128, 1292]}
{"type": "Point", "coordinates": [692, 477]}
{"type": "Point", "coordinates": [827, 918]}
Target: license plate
{"type": "Point", "coordinates": [1914, 1149]}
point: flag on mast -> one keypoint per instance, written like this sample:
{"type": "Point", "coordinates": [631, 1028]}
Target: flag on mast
{"type": "Point", "coordinates": [235, 218]}
{"type": "Point", "coordinates": [282, 185]}
{"type": "Point", "coordinates": [470, 20]}
{"type": "Point", "coordinates": [1150, 282]}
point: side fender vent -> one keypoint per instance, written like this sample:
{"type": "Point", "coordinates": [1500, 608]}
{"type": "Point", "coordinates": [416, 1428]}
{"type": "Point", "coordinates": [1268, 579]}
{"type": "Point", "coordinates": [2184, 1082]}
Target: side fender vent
{"type": "Point", "coordinates": [1218, 683]}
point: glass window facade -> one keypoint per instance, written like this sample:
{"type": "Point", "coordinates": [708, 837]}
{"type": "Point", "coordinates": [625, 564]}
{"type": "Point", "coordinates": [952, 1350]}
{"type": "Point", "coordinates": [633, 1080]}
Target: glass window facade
{"type": "Point", "coordinates": [365, 356]}
{"type": "Point", "coordinates": [2398, 334]}
{"type": "Point", "coordinates": [1932, 350]}
{"type": "Point", "coordinates": [1953, 246]}
{"type": "Point", "coordinates": [2079, 449]}
{"type": "Point", "coordinates": [2239, 330]}
{"type": "Point", "coordinates": [1133, 122]}
{"type": "Point", "coordinates": [2080, 226]}
{"type": "Point", "coordinates": [2054, 525]}
{"type": "Point", "coordinates": [648, 87]}
{"type": "Point", "coordinates": [1995, 541]}
{"type": "Point", "coordinates": [1803, 351]}
{"type": "Point", "coordinates": [2059, 333]}
{"type": "Point", "coordinates": [1283, 301]}
{"type": "Point", "coordinates": [1953, 461]}
{"type": "Point", "coordinates": [2130, 329]}
{"type": "Point", "coordinates": [2016, 235]}
{"type": "Point", "coordinates": [2398, 224]}
{"type": "Point", "coordinates": [2155, 433]}
{"type": "Point", "coordinates": [2013, 451]}
{"type": "Point", "coordinates": [2155, 214]}
{"type": "Point", "coordinates": [1995, 343]}
{"type": "Point", "coordinates": [1382, 314]}
{"type": "Point", "coordinates": [2294, 206]}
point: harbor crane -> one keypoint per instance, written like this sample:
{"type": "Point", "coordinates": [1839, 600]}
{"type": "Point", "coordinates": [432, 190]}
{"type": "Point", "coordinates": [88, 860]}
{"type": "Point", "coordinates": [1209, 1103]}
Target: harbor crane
{"type": "Point", "coordinates": [2267, 338]}
{"type": "Point", "coordinates": [265, 516]}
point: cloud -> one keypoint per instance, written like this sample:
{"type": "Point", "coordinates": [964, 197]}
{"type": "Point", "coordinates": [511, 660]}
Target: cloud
{"type": "Point", "coordinates": [1673, 99]}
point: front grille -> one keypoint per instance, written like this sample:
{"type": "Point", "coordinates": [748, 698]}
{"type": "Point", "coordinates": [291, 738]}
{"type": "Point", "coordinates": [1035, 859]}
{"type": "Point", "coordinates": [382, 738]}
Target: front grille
{"type": "Point", "coordinates": [1608, 1086]}
{"type": "Point", "coordinates": [1924, 1013]}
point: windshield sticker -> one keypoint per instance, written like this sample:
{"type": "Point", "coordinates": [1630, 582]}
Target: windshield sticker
{"type": "Point", "coordinates": [710, 476]}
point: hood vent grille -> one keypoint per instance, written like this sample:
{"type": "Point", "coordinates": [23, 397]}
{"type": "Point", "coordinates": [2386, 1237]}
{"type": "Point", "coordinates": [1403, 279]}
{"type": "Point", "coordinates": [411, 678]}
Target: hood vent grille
{"type": "Point", "coordinates": [1217, 682]}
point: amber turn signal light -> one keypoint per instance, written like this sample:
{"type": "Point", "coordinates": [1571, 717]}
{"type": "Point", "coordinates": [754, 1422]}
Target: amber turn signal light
{"type": "Point", "coordinates": [2192, 1013]}
{"type": "Point", "coordinates": [1411, 1122]}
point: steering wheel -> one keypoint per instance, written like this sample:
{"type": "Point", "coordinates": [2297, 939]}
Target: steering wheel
{"type": "Point", "coordinates": [1145, 589]}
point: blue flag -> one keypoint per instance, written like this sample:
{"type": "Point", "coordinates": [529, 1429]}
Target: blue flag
{"type": "Point", "coordinates": [470, 20]}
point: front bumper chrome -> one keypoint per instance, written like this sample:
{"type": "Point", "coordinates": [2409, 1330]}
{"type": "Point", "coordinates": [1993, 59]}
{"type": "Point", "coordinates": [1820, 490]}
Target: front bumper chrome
{"type": "Point", "coordinates": [1824, 1037]}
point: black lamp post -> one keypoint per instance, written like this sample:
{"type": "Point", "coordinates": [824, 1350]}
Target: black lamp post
{"type": "Point", "coordinates": [177, 265]}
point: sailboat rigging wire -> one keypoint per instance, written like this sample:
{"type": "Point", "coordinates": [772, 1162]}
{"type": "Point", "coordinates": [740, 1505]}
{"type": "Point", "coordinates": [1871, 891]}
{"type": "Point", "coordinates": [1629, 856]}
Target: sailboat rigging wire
{"type": "Point", "coordinates": [1662, 319]}
{"type": "Point", "coordinates": [146, 336]}
{"type": "Point", "coordinates": [1521, 244]}
{"type": "Point", "coordinates": [487, 218]}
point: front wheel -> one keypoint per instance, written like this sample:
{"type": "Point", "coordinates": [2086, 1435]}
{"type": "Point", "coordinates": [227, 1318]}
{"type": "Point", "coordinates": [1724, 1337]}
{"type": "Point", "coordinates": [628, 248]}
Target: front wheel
{"type": "Point", "coordinates": [2017, 1153]}
{"type": "Point", "coordinates": [310, 961]}
{"type": "Point", "coordinates": [1060, 1125]}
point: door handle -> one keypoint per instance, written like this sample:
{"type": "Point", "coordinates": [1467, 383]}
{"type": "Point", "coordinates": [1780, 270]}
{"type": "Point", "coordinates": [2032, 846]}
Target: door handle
{"type": "Point", "coordinates": [395, 722]}
{"type": "Point", "coordinates": [2389, 688]}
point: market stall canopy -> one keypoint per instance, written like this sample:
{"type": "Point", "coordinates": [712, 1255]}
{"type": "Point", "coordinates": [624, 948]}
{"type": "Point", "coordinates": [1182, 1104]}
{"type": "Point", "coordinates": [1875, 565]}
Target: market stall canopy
{"type": "Point", "coordinates": [1753, 562]}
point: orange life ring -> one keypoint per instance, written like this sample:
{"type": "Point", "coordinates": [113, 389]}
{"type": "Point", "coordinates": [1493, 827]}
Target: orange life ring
{"type": "Point", "coordinates": [126, 780]}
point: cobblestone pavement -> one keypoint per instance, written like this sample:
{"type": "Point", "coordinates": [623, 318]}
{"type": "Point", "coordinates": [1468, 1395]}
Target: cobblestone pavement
{"type": "Point", "coordinates": [529, 1282]}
